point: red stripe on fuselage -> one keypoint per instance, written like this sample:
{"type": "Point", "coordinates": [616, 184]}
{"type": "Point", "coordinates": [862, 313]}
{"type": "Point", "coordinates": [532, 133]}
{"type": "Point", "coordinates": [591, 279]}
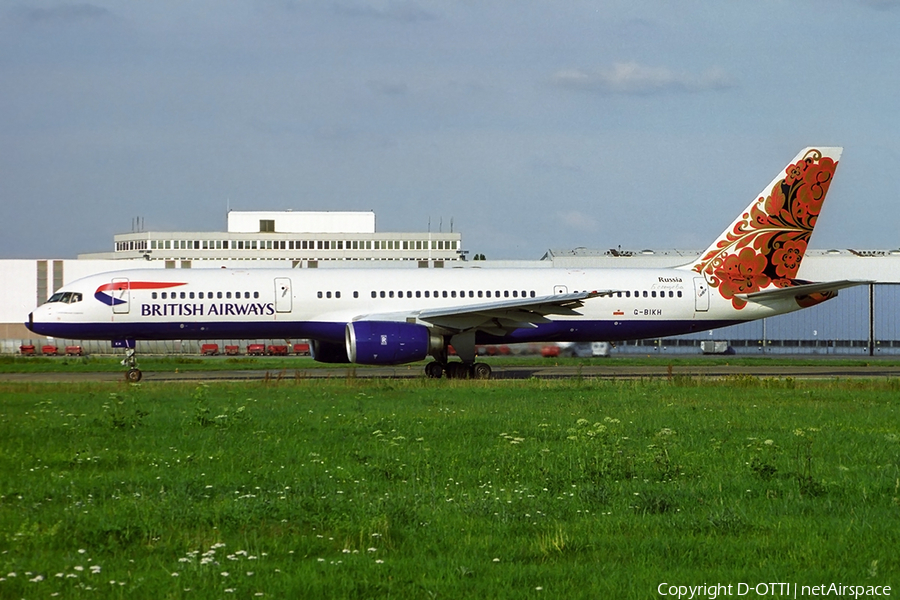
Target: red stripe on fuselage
{"type": "Point", "coordinates": [137, 285]}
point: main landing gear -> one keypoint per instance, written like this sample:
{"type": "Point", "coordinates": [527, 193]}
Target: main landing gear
{"type": "Point", "coordinates": [466, 368]}
{"type": "Point", "coordinates": [458, 370]}
{"type": "Point", "coordinates": [133, 375]}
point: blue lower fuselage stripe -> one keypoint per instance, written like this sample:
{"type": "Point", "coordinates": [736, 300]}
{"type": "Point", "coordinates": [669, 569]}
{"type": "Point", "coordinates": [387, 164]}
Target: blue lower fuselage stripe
{"type": "Point", "coordinates": [557, 331]}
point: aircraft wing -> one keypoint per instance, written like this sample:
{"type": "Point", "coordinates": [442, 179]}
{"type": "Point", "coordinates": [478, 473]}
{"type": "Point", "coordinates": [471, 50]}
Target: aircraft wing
{"type": "Point", "coordinates": [498, 317]}
{"type": "Point", "coordinates": [805, 289]}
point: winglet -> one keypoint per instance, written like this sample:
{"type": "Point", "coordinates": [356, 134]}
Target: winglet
{"type": "Point", "coordinates": [764, 246]}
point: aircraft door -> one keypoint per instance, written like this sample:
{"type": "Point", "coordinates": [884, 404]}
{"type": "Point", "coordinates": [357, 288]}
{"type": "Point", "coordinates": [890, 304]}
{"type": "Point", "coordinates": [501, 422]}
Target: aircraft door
{"type": "Point", "coordinates": [121, 295]}
{"type": "Point", "coordinates": [701, 294]}
{"type": "Point", "coordinates": [283, 295]}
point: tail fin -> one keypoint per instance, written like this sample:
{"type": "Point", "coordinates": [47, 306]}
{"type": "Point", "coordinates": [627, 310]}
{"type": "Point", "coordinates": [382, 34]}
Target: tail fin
{"type": "Point", "coordinates": [765, 244]}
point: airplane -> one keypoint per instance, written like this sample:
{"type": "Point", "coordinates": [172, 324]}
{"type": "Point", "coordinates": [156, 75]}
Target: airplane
{"type": "Point", "coordinates": [379, 317]}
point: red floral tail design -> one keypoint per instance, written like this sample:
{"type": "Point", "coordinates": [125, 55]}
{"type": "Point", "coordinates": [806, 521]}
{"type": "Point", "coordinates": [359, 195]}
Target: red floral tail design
{"type": "Point", "coordinates": [765, 245]}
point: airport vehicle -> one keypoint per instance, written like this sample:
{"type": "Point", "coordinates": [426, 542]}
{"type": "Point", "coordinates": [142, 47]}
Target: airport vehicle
{"type": "Point", "coordinates": [368, 316]}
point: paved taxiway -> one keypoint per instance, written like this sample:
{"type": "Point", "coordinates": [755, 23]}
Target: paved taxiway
{"type": "Point", "coordinates": [825, 370]}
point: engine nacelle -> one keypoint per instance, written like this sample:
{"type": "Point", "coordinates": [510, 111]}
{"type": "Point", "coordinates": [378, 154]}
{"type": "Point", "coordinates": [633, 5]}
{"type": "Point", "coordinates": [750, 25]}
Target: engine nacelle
{"type": "Point", "coordinates": [328, 352]}
{"type": "Point", "coordinates": [390, 342]}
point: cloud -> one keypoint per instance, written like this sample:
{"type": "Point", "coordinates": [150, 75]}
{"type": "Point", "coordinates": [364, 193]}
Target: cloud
{"type": "Point", "coordinates": [635, 79]}
{"type": "Point", "coordinates": [404, 12]}
{"type": "Point", "coordinates": [882, 4]}
{"type": "Point", "coordinates": [577, 220]}
{"type": "Point", "coordinates": [63, 14]}
{"type": "Point", "coordinates": [388, 88]}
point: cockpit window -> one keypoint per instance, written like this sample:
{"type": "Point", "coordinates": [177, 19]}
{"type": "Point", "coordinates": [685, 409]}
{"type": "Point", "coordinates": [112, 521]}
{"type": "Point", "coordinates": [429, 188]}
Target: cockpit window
{"type": "Point", "coordinates": [66, 297]}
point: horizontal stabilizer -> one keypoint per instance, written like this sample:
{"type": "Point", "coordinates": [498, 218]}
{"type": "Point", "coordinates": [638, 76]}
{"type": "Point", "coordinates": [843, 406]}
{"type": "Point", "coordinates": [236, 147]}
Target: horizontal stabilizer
{"type": "Point", "coordinates": [805, 289]}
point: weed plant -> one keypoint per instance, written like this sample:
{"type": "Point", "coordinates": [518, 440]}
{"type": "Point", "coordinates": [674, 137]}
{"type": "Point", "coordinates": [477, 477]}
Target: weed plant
{"type": "Point", "coordinates": [421, 488]}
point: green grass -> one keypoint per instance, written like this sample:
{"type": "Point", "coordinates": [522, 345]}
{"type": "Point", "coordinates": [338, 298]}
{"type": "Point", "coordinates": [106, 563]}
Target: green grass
{"type": "Point", "coordinates": [418, 488]}
{"type": "Point", "coordinates": [157, 363]}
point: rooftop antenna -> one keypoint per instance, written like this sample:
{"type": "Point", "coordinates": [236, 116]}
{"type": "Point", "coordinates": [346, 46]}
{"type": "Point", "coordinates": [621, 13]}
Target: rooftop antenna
{"type": "Point", "coordinates": [451, 224]}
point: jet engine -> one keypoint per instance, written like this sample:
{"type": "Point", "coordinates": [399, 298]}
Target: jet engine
{"type": "Point", "coordinates": [329, 352]}
{"type": "Point", "coordinates": [390, 342]}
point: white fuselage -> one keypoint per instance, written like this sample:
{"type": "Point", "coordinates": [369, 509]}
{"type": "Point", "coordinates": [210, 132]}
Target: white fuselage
{"type": "Point", "coordinates": [317, 304]}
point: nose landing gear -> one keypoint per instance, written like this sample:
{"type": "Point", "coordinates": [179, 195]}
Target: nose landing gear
{"type": "Point", "coordinates": [133, 375]}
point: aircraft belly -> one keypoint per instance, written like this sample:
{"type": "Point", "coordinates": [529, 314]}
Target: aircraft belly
{"type": "Point", "coordinates": [603, 331]}
{"type": "Point", "coordinates": [193, 330]}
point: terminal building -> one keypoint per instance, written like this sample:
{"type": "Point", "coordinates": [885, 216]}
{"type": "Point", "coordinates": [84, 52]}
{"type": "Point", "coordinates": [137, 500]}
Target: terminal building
{"type": "Point", "coordinates": [300, 239]}
{"type": "Point", "coordinates": [860, 321]}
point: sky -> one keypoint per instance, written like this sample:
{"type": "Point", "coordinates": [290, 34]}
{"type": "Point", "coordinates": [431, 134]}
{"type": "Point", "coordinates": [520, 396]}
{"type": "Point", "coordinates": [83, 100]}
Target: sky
{"type": "Point", "coordinates": [526, 125]}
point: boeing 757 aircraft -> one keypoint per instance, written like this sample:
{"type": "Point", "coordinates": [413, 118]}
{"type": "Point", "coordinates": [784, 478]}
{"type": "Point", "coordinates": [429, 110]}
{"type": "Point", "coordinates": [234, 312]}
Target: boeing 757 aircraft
{"type": "Point", "coordinates": [378, 317]}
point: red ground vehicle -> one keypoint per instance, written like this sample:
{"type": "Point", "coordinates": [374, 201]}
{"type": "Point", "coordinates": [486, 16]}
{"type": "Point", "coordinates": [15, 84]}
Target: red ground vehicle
{"type": "Point", "coordinates": [256, 349]}
{"type": "Point", "coordinates": [27, 349]}
{"type": "Point", "coordinates": [209, 349]}
{"type": "Point", "coordinates": [49, 350]}
{"type": "Point", "coordinates": [232, 350]}
{"type": "Point", "coordinates": [74, 351]}
{"type": "Point", "coordinates": [550, 351]}
{"type": "Point", "coordinates": [274, 350]}
{"type": "Point", "coordinates": [301, 349]}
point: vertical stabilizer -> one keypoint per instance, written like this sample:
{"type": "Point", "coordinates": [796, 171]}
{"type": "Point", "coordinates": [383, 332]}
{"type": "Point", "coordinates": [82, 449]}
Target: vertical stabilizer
{"type": "Point", "coordinates": [763, 247]}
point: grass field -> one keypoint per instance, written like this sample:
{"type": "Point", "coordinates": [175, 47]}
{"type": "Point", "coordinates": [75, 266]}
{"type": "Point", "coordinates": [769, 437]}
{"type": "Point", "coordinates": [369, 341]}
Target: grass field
{"type": "Point", "coordinates": [446, 489]}
{"type": "Point", "coordinates": [159, 363]}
